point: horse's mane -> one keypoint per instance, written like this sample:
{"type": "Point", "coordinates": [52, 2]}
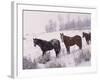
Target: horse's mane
{"type": "Point", "coordinates": [40, 40]}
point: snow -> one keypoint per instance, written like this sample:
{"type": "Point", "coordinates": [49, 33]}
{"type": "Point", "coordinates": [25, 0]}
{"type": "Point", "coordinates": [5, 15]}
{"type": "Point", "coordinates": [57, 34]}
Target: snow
{"type": "Point", "coordinates": [76, 57]}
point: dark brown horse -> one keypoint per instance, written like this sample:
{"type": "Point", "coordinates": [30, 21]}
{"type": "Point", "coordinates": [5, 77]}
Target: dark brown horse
{"type": "Point", "coordinates": [70, 41]}
{"type": "Point", "coordinates": [87, 37]}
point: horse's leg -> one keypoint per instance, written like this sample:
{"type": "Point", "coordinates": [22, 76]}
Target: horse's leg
{"type": "Point", "coordinates": [88, 42]}
{"type": "Point", "coordinates": [57, 54]}
{"type": "Point", "coordinates": [80, 45]}
{"type": "Point", "coordinates": [43, 53]}
{"type": "Point", "coordinates": [68, 50]}
{"type": "Point", "coordinates": [56, 51]}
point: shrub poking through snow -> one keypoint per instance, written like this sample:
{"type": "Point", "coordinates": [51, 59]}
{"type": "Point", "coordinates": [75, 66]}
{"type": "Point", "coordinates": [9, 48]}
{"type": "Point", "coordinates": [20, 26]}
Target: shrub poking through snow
{"type": "Point", "coordinates": [75, 58]}
{"type": "Point", "coordinates": [28, 64]}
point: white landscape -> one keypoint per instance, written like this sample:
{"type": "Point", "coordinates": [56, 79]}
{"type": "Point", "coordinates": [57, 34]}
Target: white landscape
{"type": "Point", "coordinates": [32, 56]}
{"type": "Point", "coordinates": [48, 25]}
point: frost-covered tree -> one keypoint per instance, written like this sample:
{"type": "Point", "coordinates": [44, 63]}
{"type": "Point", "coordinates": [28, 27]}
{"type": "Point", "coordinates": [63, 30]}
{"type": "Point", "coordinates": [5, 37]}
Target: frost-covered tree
{"type": "Point", "coordinates": [51, 26]}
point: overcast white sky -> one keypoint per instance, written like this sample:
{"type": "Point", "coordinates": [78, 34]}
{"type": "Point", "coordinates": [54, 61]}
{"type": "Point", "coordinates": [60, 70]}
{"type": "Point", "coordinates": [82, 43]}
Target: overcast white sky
{"type": "Point", "coordinates": [35, 21]}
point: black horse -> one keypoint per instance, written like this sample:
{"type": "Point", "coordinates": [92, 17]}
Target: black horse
{"type": "Point", "coordinates": [48, 45]}
{"type": "Point", "coordinates": [70, 41]}
{"type": "Point", "coordinates": [87, 37]}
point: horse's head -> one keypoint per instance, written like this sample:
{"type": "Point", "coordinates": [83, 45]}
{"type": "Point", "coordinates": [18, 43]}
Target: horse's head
{"type": "Point", "coordinates": [35, 41]}
{"type": "Point", "coordinates": [61, 36]}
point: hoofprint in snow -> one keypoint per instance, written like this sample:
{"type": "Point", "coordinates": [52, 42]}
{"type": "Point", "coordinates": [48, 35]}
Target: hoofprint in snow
{"type": "Point", "coordinates": [33, 59]}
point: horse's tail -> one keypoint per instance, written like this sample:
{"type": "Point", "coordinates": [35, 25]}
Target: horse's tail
{"type": "Point", "coordinates": [59, 46]}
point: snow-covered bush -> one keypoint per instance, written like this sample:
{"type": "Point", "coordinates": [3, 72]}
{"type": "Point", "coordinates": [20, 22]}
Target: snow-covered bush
{"type": "Point", "coordinates": [28, 64]}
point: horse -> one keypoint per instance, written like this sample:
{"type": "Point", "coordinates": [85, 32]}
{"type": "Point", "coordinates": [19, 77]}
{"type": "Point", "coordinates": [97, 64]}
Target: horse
{"type": "Point", "coordinates": [70, 41]}
{"type": "Point", "coordinates": [87, 37]}
{"type": "Point", "coordinates": [48, 45]}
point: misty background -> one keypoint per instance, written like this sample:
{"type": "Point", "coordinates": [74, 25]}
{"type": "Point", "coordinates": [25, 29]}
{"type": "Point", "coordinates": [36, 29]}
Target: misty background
{"type": "Point", "coordinates": [42, 21]}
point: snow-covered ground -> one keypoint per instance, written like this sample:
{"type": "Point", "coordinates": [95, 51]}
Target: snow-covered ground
{"type": "Point", "coordinates": [76, 57]}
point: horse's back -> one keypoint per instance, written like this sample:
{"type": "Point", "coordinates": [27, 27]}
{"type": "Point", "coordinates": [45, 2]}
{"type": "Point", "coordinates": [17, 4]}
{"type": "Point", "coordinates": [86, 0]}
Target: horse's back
{"type": "Point", "coordinates": [55, 43]}
{"type": "Point", "coordinates": [69, 41]}
{"type": "Point", "coordinates": [77, 37]}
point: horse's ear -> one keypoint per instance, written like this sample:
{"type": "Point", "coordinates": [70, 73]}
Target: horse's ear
{"type": "Point", "coordinates": [33, 38]}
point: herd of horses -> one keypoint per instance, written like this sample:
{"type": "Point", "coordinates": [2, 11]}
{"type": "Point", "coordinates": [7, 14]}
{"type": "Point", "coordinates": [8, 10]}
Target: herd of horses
{"type": "Point", "coordinates": [67, 40]}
